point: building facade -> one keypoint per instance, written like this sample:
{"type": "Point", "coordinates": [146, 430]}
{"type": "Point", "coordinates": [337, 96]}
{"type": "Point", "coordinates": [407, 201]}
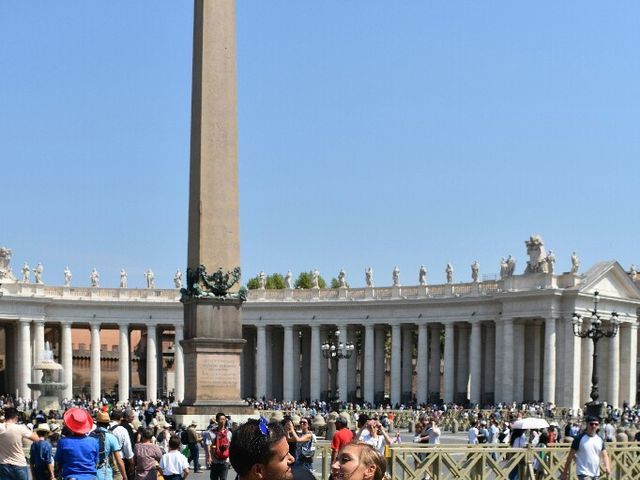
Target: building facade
{"type": "Point", "coordinates": [486, 341]}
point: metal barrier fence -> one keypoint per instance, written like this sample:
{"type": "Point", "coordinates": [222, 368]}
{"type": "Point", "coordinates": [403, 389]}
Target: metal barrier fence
{"type": "Point", "coordinates": [478, 462]}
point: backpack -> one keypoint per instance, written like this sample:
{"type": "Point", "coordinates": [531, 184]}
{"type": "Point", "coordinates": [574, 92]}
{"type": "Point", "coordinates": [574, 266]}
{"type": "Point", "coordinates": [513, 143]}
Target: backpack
{"type": "Point", "coordinates": [222, 445]}
{"type": "Point", "coordinates": [184, 437]}
{"type": "Point", "coordinates": [99, 434]}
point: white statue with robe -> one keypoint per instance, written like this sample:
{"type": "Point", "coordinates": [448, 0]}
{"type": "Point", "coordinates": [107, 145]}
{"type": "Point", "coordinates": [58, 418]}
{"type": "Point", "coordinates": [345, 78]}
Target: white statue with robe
{"type": "Point", "coordinates": [368, 277]}
{"type": "Point", "coordinates": [287, 279]}
{"type": "Point", "coordinates": [151, 278]}
{"type": "Point", "coordinates": [94, 278]}
{"type": "Point", "coordinates": [123, 278]}
{"type": "Point", "coordinates": [449, 273]}
{"type": "Point", "coordinates": [67, 276]}
{"type": "Point", "coordinates": [37, 273]}
{"type": "Point", "coordinates": [422, 276]}
{"type": "Point", "coordinates": [177, 279]}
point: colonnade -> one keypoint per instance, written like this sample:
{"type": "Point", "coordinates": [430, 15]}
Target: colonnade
{"type": "Point", "coordinates": [31, 345]}
{"type": "Point", "coordinates": [485, 361]}
{"type": "Point", "coordinates": [506, 359]}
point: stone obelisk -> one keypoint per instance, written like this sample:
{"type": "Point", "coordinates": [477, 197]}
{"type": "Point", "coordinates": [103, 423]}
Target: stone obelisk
{"type": "Point", "coordinates": [213, 341]}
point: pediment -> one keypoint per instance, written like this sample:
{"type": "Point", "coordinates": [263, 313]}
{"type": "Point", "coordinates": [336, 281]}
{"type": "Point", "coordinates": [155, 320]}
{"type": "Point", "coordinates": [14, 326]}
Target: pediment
{"type": "Point", "coordinates": [610, 279]}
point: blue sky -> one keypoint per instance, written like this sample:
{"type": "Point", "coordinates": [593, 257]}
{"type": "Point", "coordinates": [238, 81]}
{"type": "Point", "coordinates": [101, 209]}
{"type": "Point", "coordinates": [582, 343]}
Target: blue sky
{"type": "Point", "coordinates": [370, 133]}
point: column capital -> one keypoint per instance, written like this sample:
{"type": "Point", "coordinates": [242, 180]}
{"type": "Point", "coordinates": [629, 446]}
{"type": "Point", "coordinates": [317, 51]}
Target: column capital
{"type": "Point", "coordinates": [38, 320]}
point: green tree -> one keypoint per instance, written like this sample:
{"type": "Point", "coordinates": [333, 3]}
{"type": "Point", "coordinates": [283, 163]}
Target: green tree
{"type": "Point", "coordinates": [305, 280]}
{"type": "Point", "coordinates": [275, 281]}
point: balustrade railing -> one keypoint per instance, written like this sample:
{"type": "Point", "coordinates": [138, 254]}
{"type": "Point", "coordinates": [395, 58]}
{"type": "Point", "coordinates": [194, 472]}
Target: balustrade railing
{"type": "Point", "coordinates": [408, 461]}
{"type": "Point", "coordinates": [328, 294]}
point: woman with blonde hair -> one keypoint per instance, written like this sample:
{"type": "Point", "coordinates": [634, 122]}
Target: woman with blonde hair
{"type": "Point", "coordinates": [358, 461]}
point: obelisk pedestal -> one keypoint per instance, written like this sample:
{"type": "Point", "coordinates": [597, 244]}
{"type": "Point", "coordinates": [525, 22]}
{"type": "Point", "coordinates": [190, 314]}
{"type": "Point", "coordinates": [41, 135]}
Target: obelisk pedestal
{"type": "Point", "coordinates": [213, 342]}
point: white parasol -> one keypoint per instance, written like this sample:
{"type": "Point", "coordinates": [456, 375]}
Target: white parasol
{"type": "Point", "coordinates": [530, 423]}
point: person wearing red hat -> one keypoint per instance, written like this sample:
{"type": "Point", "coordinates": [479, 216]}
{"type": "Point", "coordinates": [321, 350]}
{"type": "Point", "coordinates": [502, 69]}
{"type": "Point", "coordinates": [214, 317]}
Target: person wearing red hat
{"type": "Point", "coordinates": [77, 454]}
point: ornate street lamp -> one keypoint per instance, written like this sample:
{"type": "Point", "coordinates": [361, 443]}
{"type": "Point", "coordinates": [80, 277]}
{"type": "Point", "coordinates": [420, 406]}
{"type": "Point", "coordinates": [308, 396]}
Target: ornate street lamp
{"type": "Point", "coordinates": [334, 349]}
{"type": "Point", "coordinates": [595, 333]}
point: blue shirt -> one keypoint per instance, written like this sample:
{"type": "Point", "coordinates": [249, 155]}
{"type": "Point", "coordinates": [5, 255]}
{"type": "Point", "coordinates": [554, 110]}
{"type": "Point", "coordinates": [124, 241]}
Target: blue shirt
{"type": "Point", "coordinates": [111, 445]}
{"type": "Point", "coordinates": [77, 455]}
{"type": "Point", "coordinates": [40, 454]}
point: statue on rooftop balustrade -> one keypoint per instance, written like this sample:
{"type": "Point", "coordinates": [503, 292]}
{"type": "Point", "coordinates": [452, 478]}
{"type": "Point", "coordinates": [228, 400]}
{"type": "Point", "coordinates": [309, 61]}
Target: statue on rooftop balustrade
{"type": "Point", "coordinates": [262, 280]}
{"type": "Point", "coordinates": [151, 278]}
{"type": "Point", "coordinates": [511, 266]}
{"type": "Point", "coordinates": [368, 277]}
{"type": "Point", "coordinates": [449, 272]}
{"type": "Point", "coordinates": [422, 276]}
{"type": "Point", "coordinates": [177, 279]}
{"type": "Point", "coordinates": [37, 273]}
{"type": "Point", "coordinates": [6, 275]}
{"type": "Point", "coordinates": [315, 279]}
{"type": "Point", "coordinates": [551, 262]}
{"type": "Point", "coordinates": [287, 279]}
{"type": "Point", "coordinates": [26, 272]}
{"type": "Point", "coordinates": [342, 282]}
{"type": "Point", "coordinates": [123, 278]}
{"type": "Point", "coordinates": [475, 269]}
{"type": "Point", "coordinates": [537, 262]}
{"type": "Point", "coordinates": [94, 278]}
{"type": "Point", "coordinates": [67, 276]}
{"type": "Point", "coordinates": [396, 276]}
{"type": "Point", "coordinates": [575, 263]}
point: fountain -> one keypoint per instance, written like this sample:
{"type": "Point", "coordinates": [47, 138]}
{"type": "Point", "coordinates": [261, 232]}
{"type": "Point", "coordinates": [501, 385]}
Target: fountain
{"type": "Point", "coordinates": [50, 384]}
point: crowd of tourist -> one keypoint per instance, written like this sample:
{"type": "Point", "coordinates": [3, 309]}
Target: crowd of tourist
{"type": "Point", "coordinates": [138, 440]}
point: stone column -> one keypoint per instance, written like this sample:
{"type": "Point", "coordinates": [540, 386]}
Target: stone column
{"type": "Point", "coordinates": [462, 361]}
{"type": "Point", "coordinates": [124, 383]}
{"type": "Point", "coordinates": [261, 361]}
{"type": "Point", "coordinates": [66, 358]}
{"type": "Point", "coordinates": [368, 386]}
{"type": "Point", "coordinates": [152, 370]}
{"type": "Point", "coordinates": [489, 372]}
{"type": "Point", "coordinates": [434, 361]}
{"type": "Point", "coordinates": [508, 359]}
{"type": "Point", "coordinates": [498, 382]}
{"type": "Point", "coordinates": [95, 362]}
{"type": "Point", "coordinates": [396, 358]}
{"type": "Point", "coordinates": [379, 359]}
{"type": "Point", "coordinates": [475, 362]}
{"type": "Point", "coordinates": [23, 375]}
{"type": "Point", "coordinates": [518, 362]}
{"type": "Point", "coordinates": [422, 385]}
{"type": "Point", "coordinates": [535, 379]}
{"type": "Point", "coordinates": [351, 363]}
{"type": "Point", "coordinates": [572, 358]}
{"type": "Point", "coordinates": [342, 365]}
{"type": "Point", "coordinates": [587, 360]}
{"type": "Point", "coordinates": [549, 381]}
{"type": "Point", "coordinates": [613, 393]}
{"type": "Point", "coordinates": [407, 363]}
{"type": "Point", "coordinates": [38, 350]}
{"type": "Point", "coordinates": [38, 340]}
{"type": "Point", "coordinates": [295, 354]}
{"type": "Point", "coordinates": [179, 362]}
{"type": "Point", "coordinates": [628, 354]}
{"type": "Point", "coordinates": [287, 365]}
{"type": "Point", "coordinates": [449, 363]}
{"type": "Point", "coordinates": [316, 358]}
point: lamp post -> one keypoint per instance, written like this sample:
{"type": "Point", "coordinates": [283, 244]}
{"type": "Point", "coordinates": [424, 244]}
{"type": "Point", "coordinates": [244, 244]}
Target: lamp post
{"type": "Point", "coordinates": [595, 332]}
{"type": "Point", "coordinates": [334, 349]}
